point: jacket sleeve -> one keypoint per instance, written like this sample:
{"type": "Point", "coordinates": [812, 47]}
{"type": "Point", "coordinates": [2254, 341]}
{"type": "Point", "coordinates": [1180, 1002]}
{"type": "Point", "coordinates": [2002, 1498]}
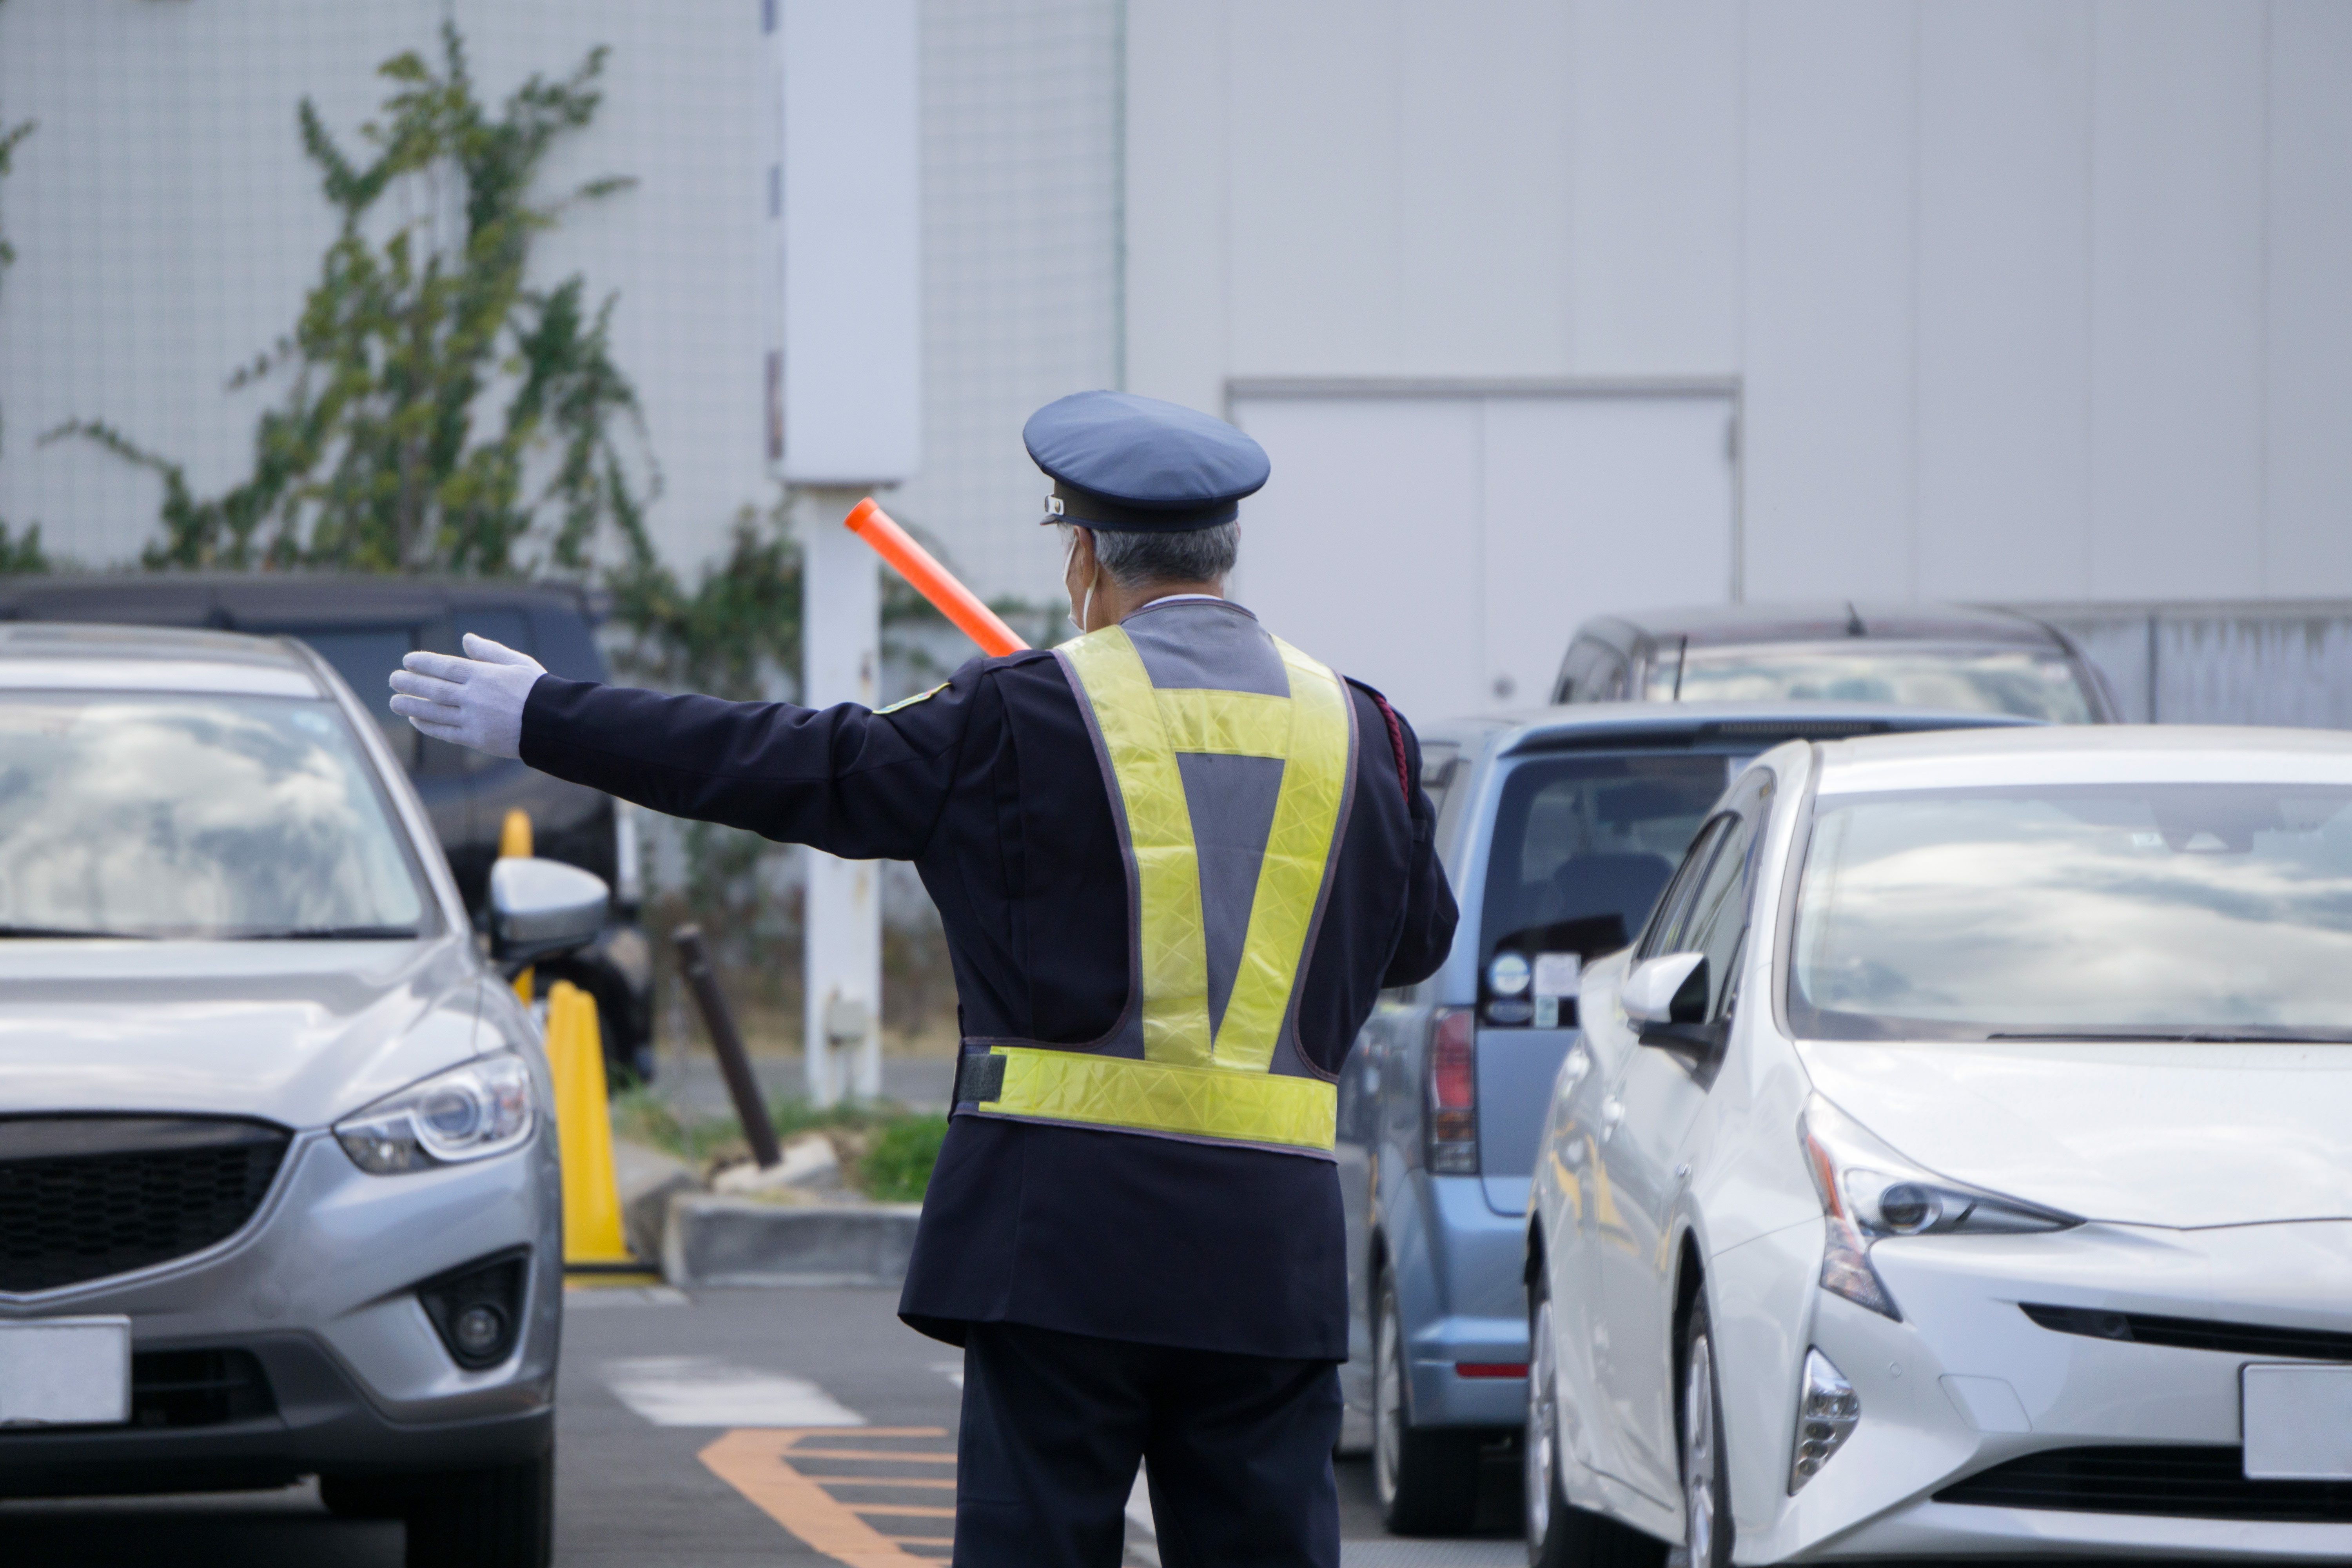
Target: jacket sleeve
{"type": "Point", "coordinates": [847, 780]}
{"type": "Point", "coordinates": [1430, 914]}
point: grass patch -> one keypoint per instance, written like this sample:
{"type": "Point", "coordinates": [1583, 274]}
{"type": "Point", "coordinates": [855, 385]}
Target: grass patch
{"type": "Point", "coordinates": [897, 1167]}
{"type": "Point", "coordinates": [886, 1152]}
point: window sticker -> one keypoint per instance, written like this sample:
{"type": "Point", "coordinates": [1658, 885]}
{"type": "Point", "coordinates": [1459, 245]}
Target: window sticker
{"type": "Point", "coordinates": [1558, 974]}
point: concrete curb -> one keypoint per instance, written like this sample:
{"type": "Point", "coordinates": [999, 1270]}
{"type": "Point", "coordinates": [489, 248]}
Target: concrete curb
{"type": "Point", "coordinates": [713, 1241]}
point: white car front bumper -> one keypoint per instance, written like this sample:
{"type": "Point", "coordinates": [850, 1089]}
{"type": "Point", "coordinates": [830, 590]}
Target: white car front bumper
{"type": "Point", "coordinates": [1968, 1383]}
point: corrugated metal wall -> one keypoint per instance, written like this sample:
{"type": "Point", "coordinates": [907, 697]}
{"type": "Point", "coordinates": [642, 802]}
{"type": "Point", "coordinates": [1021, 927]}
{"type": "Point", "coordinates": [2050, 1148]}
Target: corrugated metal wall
{"type": "Point", "coordinates": [2285, 663]}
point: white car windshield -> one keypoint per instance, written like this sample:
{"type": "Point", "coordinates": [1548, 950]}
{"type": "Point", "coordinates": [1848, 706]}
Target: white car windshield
{"type": "Point", "coordinates": [2030, 685]}
{"type": "Point", "coordinates": [2141, 911]}
{"type": "Point", "coordinates": [193, 816]}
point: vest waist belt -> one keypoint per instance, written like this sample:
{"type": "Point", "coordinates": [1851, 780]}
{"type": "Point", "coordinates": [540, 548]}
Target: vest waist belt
{"type": "Point", "coordinates": [1043, 1084]}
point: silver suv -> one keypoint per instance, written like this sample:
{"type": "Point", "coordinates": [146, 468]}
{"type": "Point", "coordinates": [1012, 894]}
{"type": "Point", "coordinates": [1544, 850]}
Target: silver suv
{"type": "Point", "coordinates": [278, 1190]}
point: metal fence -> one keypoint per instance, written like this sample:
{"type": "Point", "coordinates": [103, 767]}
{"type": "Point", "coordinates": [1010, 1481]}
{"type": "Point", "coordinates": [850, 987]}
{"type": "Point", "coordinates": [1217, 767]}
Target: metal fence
{"type": "Point", "coordinates": [2287, 662]}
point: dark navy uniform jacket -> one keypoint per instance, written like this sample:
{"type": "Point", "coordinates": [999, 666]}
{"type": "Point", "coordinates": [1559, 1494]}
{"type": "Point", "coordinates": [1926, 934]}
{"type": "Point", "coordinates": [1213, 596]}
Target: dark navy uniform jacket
{"type": "Point", "coordinates": [992, 789]}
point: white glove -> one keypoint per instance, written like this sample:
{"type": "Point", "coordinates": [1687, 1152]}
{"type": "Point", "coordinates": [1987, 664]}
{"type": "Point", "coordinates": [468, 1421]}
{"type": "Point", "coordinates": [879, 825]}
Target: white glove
{"type": "Point", "coordinates": [473, 702]}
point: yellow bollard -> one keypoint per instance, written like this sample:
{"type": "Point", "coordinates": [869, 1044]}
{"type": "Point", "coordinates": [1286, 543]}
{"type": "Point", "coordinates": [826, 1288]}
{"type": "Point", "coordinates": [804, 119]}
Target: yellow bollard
{"type": "Point", "coordinates": [514, 842]}
{"type": "Point", "coordinates": [584, 1128]}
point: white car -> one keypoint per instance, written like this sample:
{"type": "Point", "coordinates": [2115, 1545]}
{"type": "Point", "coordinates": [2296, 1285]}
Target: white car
{"type": "Point", "coordinates": [1960, 1163]}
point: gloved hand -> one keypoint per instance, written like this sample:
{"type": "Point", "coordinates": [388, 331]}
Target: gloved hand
{"type": "Point", "coordinates": [473, 701]}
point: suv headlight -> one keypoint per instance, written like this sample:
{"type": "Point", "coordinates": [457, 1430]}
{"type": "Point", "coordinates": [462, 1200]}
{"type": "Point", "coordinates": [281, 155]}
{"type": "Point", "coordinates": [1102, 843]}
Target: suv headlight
{"type": "Point", "coordinates": [470, 1112]}
{"type": "Point", "coordinates": [1869, 1191]}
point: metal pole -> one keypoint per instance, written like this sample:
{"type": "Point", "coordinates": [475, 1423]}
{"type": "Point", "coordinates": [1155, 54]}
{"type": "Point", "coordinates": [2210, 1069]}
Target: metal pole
{"type": "Point", "coordinates": [841, 588]}
{"type": "Point", "coordinates": [694, 962]}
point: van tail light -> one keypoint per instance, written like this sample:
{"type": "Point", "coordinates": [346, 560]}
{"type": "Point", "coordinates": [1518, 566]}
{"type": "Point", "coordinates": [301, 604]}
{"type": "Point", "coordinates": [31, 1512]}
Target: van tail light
{"type": "Point", "coordinates": [1453, 1093]}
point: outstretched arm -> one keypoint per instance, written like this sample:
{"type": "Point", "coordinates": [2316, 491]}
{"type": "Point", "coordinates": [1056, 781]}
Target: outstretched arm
{"type": "Point", "coordinates": [846, 780]}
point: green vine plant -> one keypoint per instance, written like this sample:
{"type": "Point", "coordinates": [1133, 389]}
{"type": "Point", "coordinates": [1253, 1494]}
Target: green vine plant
{"type": "Point", "coordinates": [18, 552]}
{"type": "Point", "coordinates": [386, 452]}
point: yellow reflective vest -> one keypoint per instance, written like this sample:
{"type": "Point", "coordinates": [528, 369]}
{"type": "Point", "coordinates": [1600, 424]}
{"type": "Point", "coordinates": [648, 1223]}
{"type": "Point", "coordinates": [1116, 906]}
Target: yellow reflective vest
{"type": "Point", "coordinates": [1229, 759]}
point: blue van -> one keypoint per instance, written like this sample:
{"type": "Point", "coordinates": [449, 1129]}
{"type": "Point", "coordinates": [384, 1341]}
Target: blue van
{"type": "Point", "coordinates": [1558, 829]}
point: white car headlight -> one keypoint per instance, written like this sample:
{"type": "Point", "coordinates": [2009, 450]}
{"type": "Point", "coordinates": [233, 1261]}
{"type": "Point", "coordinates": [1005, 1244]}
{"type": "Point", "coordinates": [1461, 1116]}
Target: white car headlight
{"type": "Point", "coordinates": [468, 1113]}
{"type": "Point", "coordinates": [1868, 1191]}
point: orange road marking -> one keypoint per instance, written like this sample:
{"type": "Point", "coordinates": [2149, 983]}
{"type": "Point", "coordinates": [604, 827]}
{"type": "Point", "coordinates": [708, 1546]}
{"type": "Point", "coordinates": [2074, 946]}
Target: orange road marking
{"type": "Point", "coordinates": [884, 1481]}
{"type": "Point", "coordinates": [923, 1540]}
{"type": "Point", "coordinates": [875, 1454]}
{"type": "Point", "coordinates": [754, 1460]}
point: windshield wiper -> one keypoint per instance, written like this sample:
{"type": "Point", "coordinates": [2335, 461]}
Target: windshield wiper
{"type": "Point", "coordinates": [2188, 1037]}
{"type": "Point", "coordinates": [76, 932]}
{"type": "Point", "coordinates": [331, 934]}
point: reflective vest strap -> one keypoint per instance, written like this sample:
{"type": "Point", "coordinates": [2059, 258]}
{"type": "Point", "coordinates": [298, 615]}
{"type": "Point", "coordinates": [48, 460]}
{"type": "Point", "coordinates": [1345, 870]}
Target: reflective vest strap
{"type": "Point", "coordinates": [1290, 876]}
{"type": "Point", "coordinates": [1047, 1085]}
{"type": "Point", "coordinates": [1226, 723]}
{"type": "Point", "coordinates": [1175, 955]}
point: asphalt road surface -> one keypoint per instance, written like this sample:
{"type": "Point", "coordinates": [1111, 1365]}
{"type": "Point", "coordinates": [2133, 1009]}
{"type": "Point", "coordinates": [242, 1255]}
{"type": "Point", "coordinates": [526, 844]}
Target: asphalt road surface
{"type": "Point", "coordinates": [719, 1430]}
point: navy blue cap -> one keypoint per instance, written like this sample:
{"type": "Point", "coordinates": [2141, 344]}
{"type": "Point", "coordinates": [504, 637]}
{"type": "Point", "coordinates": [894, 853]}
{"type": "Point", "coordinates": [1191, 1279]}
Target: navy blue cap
{"type": "Point", "coordinates": [1120, 461]}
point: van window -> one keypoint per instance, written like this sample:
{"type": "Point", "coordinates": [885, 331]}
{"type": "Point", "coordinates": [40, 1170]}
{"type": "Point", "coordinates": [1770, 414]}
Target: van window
{"type": "Point", "coordinates": [1582, 846]}
{"type": "Point", "coordinates": [502, 624]}
{"type": "Point", "coordinates": [365, 658]}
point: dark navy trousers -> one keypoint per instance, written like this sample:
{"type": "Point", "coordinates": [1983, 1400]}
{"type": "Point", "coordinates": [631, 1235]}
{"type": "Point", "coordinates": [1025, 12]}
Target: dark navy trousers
{"type": "Point", "coordinates": [1238, 1449]}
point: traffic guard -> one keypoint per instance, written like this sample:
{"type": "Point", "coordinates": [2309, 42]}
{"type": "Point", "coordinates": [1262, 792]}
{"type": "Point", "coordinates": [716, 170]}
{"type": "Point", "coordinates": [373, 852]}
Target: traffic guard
{"type": "Point", "coordinates": [1177, 859]}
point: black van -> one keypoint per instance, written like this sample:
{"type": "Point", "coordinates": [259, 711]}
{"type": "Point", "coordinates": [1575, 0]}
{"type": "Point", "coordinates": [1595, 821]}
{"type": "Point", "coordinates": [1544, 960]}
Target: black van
{"type": "Point", "coordinates": [362, 626]}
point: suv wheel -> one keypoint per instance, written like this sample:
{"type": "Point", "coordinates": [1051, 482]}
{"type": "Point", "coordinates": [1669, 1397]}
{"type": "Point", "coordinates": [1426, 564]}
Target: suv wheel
{"type": "Point", "coordinates": [501, 1517]}
{"type": "Point", "coordinates": [1427, 1482]}
{"type": "Point", "coordinates": [1560, 1534]}
{"type": "Point", "coordinates": [1706, 1487]}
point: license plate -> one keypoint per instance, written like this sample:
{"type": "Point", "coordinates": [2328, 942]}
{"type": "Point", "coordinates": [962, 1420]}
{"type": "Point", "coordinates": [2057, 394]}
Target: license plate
{"type": "Point", "coordinates": [2298, 1423]}
{"type": "Point", "coordinates": [65, 1372]}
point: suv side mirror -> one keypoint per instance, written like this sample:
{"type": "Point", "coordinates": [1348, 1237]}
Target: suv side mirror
{"type": "Point", "coordinates": [1668, 990]}
{"type": "Point", "coordinates": [540, 908]}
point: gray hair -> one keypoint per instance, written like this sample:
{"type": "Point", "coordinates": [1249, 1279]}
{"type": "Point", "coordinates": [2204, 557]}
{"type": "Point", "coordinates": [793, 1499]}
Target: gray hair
{"type": "Point", "coordinates": [1136, 560]}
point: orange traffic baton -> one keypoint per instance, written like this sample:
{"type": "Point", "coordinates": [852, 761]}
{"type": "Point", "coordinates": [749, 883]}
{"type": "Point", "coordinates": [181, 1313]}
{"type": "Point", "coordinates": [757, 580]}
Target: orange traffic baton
{"type": "Point", "coordinates": [932, 580]}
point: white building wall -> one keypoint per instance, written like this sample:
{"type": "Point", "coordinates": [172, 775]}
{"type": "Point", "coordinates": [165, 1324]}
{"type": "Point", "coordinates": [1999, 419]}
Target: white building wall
{"type": "Point", "coordinates": [2021, 298]}
{"type": "Point", "coordinates": [167, 226]}
{"type": "Point", "coordinates": [2024, 299]}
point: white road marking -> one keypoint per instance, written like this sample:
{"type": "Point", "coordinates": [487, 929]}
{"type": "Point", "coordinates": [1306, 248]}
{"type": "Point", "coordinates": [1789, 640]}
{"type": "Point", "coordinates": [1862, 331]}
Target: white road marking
{"type": "Point", "coordinates": [697, 1391]}
{"type": "Point", "coordinates": [579, 1298]}
{"type": "Point", "coordinates": [1432, 1553]}
{"type": "Point", "coordinates": [1143, 1535]}
{"type": "Point", "coordinates": [950, 1370]}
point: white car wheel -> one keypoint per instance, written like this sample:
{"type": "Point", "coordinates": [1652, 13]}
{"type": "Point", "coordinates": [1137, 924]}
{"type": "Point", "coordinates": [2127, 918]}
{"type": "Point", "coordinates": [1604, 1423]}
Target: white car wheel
{"type": "Point", "coordinates": [1541, 1483]}
{"type": "Point", "coordinates": [1560, 1534]}
{"type": "Point", "coordinates": [1706, 1512]}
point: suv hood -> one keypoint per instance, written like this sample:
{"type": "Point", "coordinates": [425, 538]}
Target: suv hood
{"type": "Point", "coordinates": [2175, 1135]}
{"type": "Point", "coordinates": [297, 1032]}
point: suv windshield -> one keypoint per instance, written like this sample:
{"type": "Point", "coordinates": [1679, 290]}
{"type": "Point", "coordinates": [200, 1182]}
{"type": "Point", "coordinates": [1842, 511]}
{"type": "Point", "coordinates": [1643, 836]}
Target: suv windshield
{"type": "Point", "coordinates": [2135, 911]}
{"type": "Point", "coordinates": [1582, 846]}
{"type": "Point", "coordinates": [2007, 680]}
{"type": "Point", "coordinates": [195, 816]}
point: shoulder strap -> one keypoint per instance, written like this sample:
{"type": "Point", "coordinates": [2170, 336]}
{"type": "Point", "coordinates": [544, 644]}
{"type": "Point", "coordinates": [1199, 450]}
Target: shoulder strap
{"type": "Point", "coordinates": [1396, 741]}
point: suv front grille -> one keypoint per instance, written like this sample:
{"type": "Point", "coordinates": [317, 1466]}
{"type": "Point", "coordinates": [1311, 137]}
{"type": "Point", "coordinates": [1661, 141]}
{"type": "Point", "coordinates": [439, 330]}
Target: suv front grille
{"type": "Point", "coordinates": [82, 1197]}
{"type": "Point", "coordinates": [197, 1388]}
{"type": "Point", "coordinates": [2169, 1483]}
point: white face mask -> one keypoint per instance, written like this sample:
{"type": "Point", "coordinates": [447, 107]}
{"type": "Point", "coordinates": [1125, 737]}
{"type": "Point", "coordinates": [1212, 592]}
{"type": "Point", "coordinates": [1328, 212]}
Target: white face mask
{"type": "Point", "coordinates": [1070, 553]}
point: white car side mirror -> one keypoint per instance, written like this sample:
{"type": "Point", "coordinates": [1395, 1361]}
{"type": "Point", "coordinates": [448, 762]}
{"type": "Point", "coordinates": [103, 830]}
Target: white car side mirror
{"type": "Point", "coordinates": [1667, 989]}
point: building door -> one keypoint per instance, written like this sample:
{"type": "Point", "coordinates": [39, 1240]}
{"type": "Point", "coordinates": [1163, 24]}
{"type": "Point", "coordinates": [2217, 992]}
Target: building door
{"type": "Point", "coordinates": [1443, 544]}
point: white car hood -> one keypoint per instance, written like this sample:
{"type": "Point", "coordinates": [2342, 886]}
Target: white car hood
{"type": "Point", "coordinates": [297, 1033]}
{"type": "Point", "coordinates": [2176, 1135]}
